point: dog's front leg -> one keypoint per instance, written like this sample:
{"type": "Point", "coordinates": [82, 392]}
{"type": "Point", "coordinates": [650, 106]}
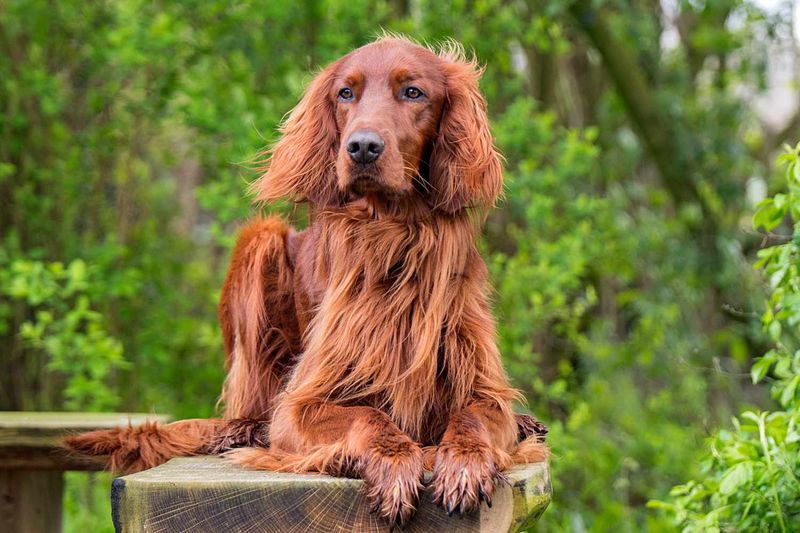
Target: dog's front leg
{"type": "Point", "coordinates": [354, 441]}
{"type": "Point", "coordinates": [471, 456]}
{"type": "Point", "coordinates": [480, 436]}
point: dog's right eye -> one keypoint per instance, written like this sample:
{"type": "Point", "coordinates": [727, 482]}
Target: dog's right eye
{"type": "Point", "coordinates": [346, 94]}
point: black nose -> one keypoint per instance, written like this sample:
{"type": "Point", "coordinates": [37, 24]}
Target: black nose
{"type": "Point", "coordinates": [364, 146]}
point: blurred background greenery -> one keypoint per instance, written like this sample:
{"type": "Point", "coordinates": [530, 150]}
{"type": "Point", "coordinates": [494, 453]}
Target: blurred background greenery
{"type": "Point", "coordinates": [639, 138]}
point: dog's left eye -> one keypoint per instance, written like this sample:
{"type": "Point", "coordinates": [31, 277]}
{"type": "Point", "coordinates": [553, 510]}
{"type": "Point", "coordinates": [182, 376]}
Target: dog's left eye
{"type": "Point", "coordinates": [413, 93]}
{"type": "Point", "coordinates": [346, 94]}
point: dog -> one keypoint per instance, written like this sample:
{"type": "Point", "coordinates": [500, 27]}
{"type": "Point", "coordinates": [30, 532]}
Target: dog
{"type": "Point", "coordinates": [364, 345]}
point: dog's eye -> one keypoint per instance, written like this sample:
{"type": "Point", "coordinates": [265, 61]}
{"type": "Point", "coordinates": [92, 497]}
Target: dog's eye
{"type": "Point", "coordinates": [346, 94]}
{"type": "Point", "coordinates": [413, 93]}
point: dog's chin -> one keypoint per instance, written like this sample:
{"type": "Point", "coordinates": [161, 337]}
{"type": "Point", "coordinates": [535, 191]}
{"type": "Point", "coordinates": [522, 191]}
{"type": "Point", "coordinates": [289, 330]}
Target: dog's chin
{"type": "Point", "coordinates": [366, 185]}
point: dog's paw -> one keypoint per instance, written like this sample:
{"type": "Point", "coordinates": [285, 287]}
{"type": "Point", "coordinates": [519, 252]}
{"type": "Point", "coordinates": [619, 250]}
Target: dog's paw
{"type": "Point", "coordinates": [528, 426]}
{"type": "Point", "coordinates": [464, 475]}
{"type": "Point", "coordinates": [240, 433]}
{"type": "Point", "coordinates": [392, 473]}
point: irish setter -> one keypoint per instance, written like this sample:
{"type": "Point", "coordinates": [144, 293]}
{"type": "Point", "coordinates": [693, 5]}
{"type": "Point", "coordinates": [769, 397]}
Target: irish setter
{"type": "Point", "coordinates": [365, 345]}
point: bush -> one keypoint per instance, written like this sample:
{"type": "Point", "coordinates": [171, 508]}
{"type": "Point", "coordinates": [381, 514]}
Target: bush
{"type": "Point", "coordinates": [751, 474]}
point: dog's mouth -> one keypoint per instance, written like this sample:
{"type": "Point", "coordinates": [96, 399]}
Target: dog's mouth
{"type": "Point", "coordinates": [373, 188]}
{"type": "Point", "coordinates": [365, 184]}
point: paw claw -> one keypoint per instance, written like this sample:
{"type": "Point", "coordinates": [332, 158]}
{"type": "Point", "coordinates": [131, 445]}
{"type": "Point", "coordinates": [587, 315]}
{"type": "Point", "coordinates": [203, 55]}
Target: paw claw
{"type": "Point", "coordinates": [500, 478]}
{"type": "Point", "coordinates": [392, 474]}
{"type": "Point", "coordinates": [464, 476]}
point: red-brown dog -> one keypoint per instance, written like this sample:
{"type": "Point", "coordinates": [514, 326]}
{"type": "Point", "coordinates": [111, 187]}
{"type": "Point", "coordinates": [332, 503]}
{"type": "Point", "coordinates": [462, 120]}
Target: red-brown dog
{"type": "Point", "coordinates": [365, 345]}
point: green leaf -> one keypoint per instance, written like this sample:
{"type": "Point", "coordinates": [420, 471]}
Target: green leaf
{"type": "Point", "coordinates": [750, 415]}
{"type": "Point", "coordinates": [767, 215]}
{"type": "Point", "coordinates": [760, 368]}
{"type": "Point", "coordinates": [789, 391]}
{"type": "Point", "coordinates": [735, 477]}
{"type": "Point", "coordinates": [774, 329]}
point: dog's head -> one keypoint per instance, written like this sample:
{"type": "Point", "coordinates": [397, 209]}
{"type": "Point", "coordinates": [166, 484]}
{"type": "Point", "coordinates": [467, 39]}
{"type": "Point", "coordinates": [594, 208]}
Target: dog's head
{"type": "Point", "coordinates": [391, 119]}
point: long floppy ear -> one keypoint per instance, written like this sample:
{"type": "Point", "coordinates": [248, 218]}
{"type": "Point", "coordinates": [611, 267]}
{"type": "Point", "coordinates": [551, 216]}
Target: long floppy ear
{"type": "Point", "coordinates": [301, 165]}
{"type": "Point", "coordinates": [465, 167]}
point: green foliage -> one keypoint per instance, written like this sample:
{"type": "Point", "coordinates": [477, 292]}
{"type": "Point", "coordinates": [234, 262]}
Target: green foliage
{"type": "Point", "coordinates": [573, 252]}
{"type": "Point", "coordinates": [751, 474]}
{"type": "Point", "coordinates": [86, 502]}
{"type": "Point", "coordinates": [63, 327]}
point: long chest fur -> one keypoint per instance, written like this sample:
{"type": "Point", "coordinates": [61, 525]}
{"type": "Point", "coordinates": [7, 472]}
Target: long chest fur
{"type": "Point", "coordinates": [390, 290]}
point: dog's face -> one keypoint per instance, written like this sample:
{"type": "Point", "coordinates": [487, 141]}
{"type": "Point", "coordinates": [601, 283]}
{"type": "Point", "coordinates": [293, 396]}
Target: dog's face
{"type": "Point", "coordinates": [388, 102]}
{"type": "Point", "coordinates": [392, 119]}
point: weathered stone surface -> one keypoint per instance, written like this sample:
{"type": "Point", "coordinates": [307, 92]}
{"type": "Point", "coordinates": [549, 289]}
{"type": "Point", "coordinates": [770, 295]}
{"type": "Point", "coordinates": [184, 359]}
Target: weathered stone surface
{"type": "Point", "coordinates": [207, 494]}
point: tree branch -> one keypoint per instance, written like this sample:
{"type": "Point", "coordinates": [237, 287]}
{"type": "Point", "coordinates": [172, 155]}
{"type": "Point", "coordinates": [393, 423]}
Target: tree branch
{"type": "Point", "coordinates": [657, 131]}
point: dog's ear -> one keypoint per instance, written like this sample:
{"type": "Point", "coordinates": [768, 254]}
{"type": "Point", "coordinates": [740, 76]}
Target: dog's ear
{"type": "Point", "coordinates": [465, 168]}
{"type": "Point", "coordinates": [300, 166]}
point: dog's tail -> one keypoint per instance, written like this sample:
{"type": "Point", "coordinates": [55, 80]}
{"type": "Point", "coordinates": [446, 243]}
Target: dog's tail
{"type": "Point", "coordinates": [134, 448]}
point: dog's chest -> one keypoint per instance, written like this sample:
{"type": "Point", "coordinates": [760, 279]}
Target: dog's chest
{"type": "Point", "coordinates": [385, 293]}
